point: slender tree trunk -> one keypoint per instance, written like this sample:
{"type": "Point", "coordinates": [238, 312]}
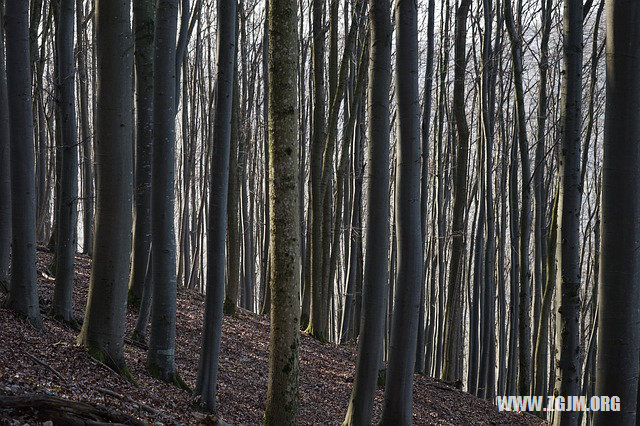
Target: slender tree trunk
{"type": "Point", "coordinates": [68, 213]}
{"type": "Point", "coordinates": [103, 327]}
{"type": "Point", "coordinates": [376, 267]}
{"type": "Point", "coordinates": [5, 172]}
{"type": "Point", "coordinates": [524, 320]}
{"type": "Point", "coordinates": [453, 313]}
{"type": "Point", "coordinates": [316, 318]}
{"type": "Point", "coordinates": [424, 194]}
{"type": "Point", "coordinates": [618, 292]}
{"type": "Point", "coordinates": [140, 330]}
{"type": "Point", "coordinates": [143, 23]}
{"type": "Point", "coordinates": [85, 133]}
{"type": "Point", "coordinates": [541, 353]}
{"type": "Point", "coordinates": [486, 381]}
{"type": "Point", "coordinates": [211, 335]}
{"type": "Point", "coordinates": [398, 396]}
{"type": "Point", "coordinates": [233, 227]}
{"type": "Point", "coordinates": [569, 198]}
{"type": "Point", "coordinates": [23, 292]}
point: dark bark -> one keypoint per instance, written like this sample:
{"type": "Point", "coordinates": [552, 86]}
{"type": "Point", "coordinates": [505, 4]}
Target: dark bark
{"type": "Point", "coordinates": [453, 314]}
{"type": "Point", "coordinates": [569, 276]}
{"type": "Point", "coordinates": [5, 172]}
{"type": "Point", "coordinates": [85, 132]}
{"type": "Point", "coordinates": [161, 354]}
{"type": "Point", "coordinates": [376, 272]}
{"type": "Point", "coordinates": [23, 293]}
{"type": "Point", "coordinates": [68, 206]}
{"type": "Point", "coordinates": [317, 323]}
{"type": "Point", "coordinates": [103, 326]}
{"type": "Point", "coordinates": [216, 242]}
{"type": "Point", "coordinates": [398, 396]}
{"type": "Point", "coordinates": [618, 293]}
{"type": "Point", "coordinates": [143, 26]}
{"type": "Point", "coordinates": [524, 320]}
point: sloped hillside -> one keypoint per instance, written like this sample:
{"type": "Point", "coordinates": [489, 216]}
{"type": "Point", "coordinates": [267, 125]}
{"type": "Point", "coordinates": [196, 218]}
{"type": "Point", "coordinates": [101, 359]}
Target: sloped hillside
{"type": "Point", "coordinates": [48, 362]}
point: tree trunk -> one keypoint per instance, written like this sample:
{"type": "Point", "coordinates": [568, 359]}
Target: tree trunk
{"type": "Point", "coordinates": [233, 227]}
{"type": "Point", "coordinates": [23, 291]}
{"type": "Point", "coordinates": [85, 133]}
{"type": "Point", "coordinates": [316, 319]}
{"type": "Point", "coordinates": [103, 327]}
{"type": "Point", "coordinates": [453, 315]}
{"type": "Point", "coordinates": [568, 294]}
{"type": "Point", "coordinates": [376, 267]}
{"type": "Point", "coordinates": [5, 172]}
{"type": "Point", "coordinates": [284, 365]}
{"type": "Point", "coordinates": [618, 331]}
{"type": "Point", "coordinates": [143, 23]}
{"type": "Point", "coordinates": [398, 395]}
{"type": "Point", "coordinates": [161, 354]}
{"type": "Point", "coordinates": [424, 194]}
{"type": "Point", "coordinates": [524, 310]}
{"type": "Point", "coordinates": [216, 242]}
{"type": "Point", "coordinates": [68, 213]}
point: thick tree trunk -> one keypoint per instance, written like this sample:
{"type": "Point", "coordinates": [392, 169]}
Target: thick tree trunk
{"type": "Point", "coordinates": [23, 292]}
{"type": "Point", "coordinates": [618, 292]}
{"type": "Point", "coordinates": [284, 365]}
{"type": "Point", "coordinates": [216, 233]}
{"type": "Point", "coordinates": [68, 206]}
{"type": "Point", "coordinates": [103, 327]}
{"type": "Point", "coordinates": [161, 354]}
{"type": "Point", "coordinates": [376, 267]}
{"type": "Point", "coordinates": [143, 23]}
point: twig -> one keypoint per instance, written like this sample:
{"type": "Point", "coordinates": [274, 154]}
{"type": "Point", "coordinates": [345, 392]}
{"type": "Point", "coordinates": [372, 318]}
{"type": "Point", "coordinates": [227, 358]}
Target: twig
{"type": "Point", "coordinates": [53, 370]}
{"type": "Point", "coordinates": [130, 400]}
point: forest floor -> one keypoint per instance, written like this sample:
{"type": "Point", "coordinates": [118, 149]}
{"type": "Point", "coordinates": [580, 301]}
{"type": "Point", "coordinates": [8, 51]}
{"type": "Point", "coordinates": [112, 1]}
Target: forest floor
{"type": "Point", "coordinates": [49, 362]}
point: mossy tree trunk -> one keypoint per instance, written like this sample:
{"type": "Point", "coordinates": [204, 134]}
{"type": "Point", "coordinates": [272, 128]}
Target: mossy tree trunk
{"type": "Point", "coordinates": [284, 364]}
